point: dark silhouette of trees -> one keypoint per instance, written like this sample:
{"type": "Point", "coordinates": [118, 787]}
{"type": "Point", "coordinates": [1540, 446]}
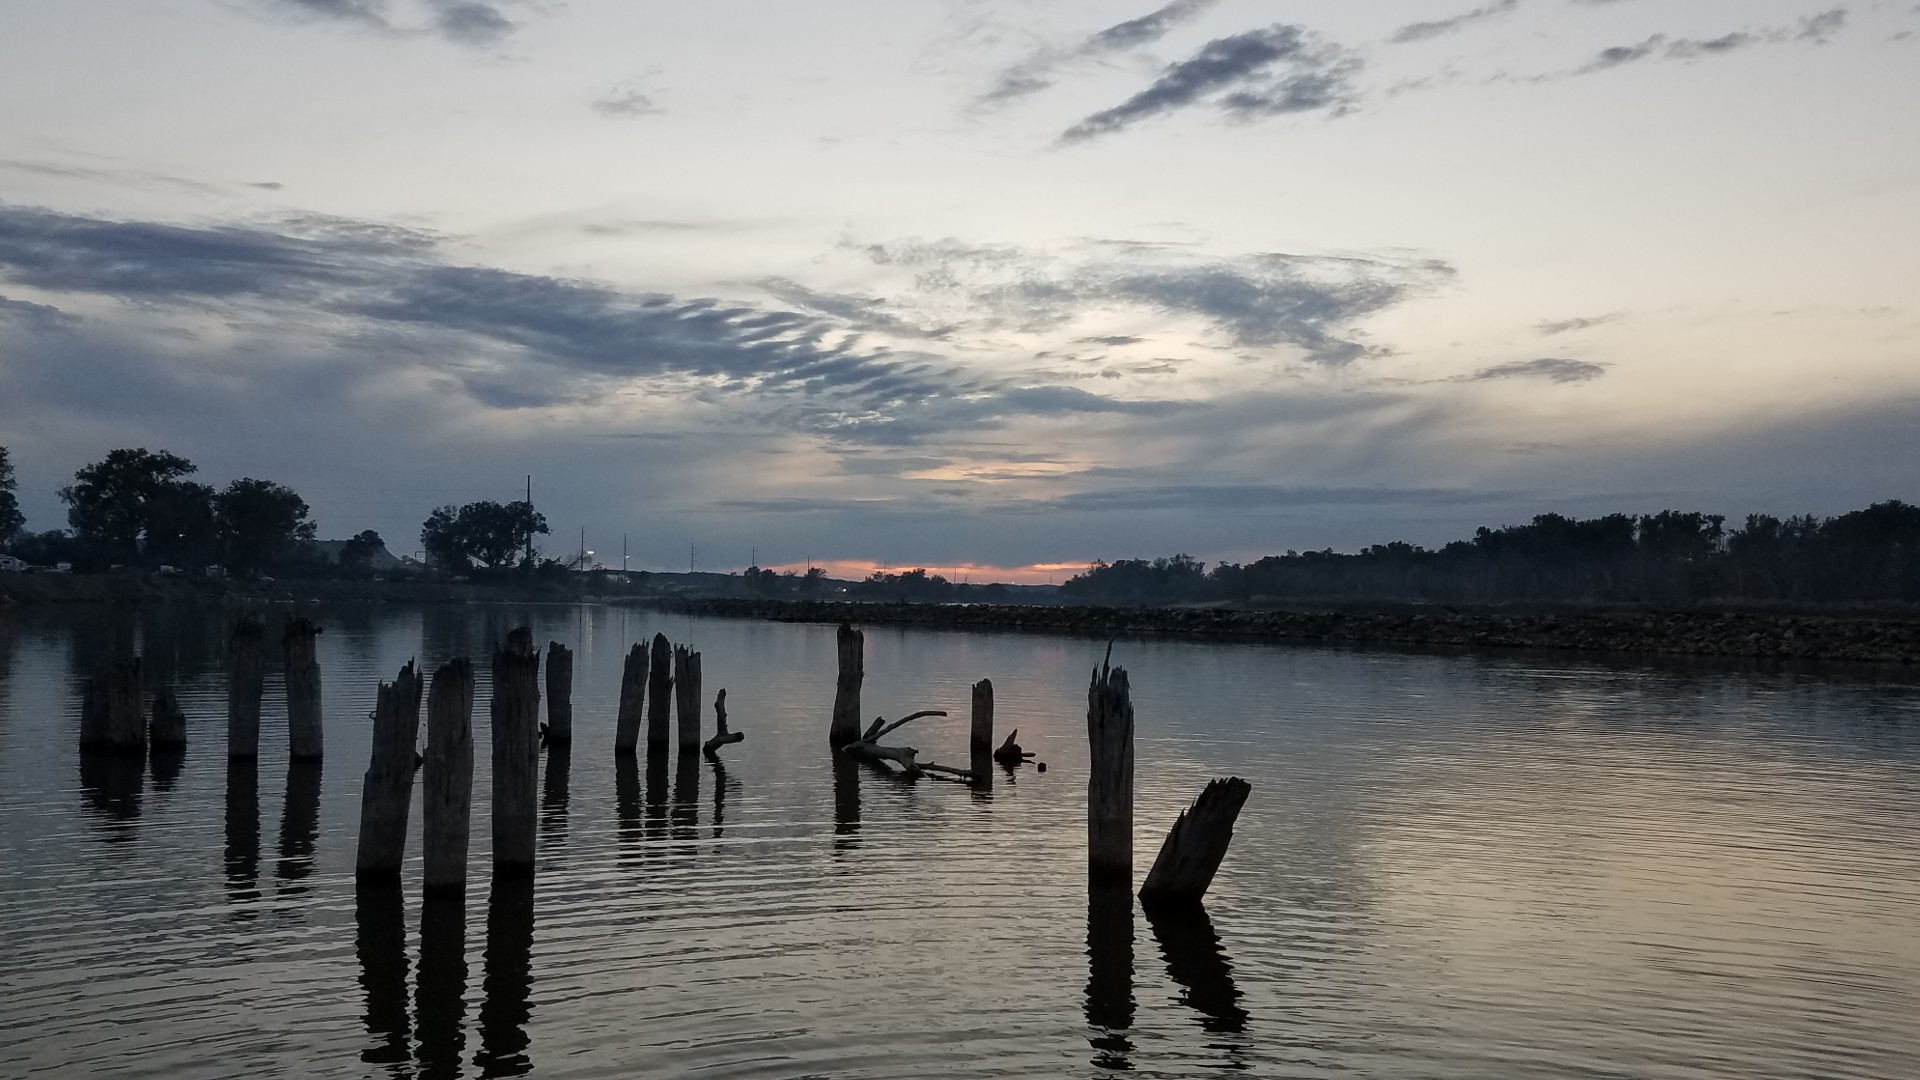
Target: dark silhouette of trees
{"type": "Point", "coordinates": [182, 529]}
{"type": "Point", "coordinates": [107, 504]}
{"type": "Point", "coordinates": [360, 549]}
{"type": "Point", "coordinates": [261, 523]}
{"type": "Point", "coordinates": [11, 520]}
{"type": "Point", "coordinates": [490, 533]}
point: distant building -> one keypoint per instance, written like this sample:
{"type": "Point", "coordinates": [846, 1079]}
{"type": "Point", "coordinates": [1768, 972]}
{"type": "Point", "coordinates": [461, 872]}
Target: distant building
{"type": "Point", "coordinates": [380, 560]}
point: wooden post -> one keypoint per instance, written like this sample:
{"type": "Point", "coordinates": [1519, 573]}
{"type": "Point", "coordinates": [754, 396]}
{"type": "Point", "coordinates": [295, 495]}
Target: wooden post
{"type": "Point", "coordinates": [305, 741]}
{"type": "Point", "coordinates": [846, 693]}
{"type": "Point", "coordinates": [686, 680]}
{"type": "Point", "coordinates": [111, 720]}
{"type": "Point", "coordinates": [1196, 844]}
{"type": "Point", "coordinates": [659, 693]}
{"type": "Point", "coordinates": [246, 674]}
{"type": "Point", "coordinates": [386, 794]}
{"type": "Point", "coordinates": [1109, 777]}
{"type": "Point", "coordinates": [633, 695]}
{"type": "Point", "coordinates": [93, 713]}
{"type": "Point", "coordinates": [516, 753]}
{"type": "Point", "coordinates": [169, 730]}
{"type": "Point", "coordinates": [446, 780]}
{"type": "Point", "coordinates": [721, 736]}
{"type": "Point", "coordinates": [559, 694]}
{"type": "Point", "coordinates": [981, 743]}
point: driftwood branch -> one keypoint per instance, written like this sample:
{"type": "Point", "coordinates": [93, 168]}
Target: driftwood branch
{"type": "Point", "coordinates": [722, 736]}
{"type": "Point", "coordinates": [868, 746]}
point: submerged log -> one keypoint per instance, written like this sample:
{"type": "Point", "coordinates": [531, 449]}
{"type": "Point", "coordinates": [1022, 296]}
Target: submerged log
{"type": "Point", "coordinates": [686, 681]}
{"type": "Point", "coordinates": [446, 780]}
{"type": "Point", "coordinates": [168, 730]}
{"type": "Point", "coordinates": [633, 696]}
{"type": "Point", "coordinates": [1109, 776]}
{"type": "Point", "coordinates": [1196, 844]}
{"type": "Point", "coordinates": [846, 693]}
{"type": "Point", "coordinates": [305, 740]}
{"type": "Point", "coordinates": [722, 736]}
{"type": "Point", "coordinates": [1010, 752]}
{"type": "Point", "coordinates": [559, 730]}
{"type": "Point", "coordinates": [386, 793]}
{"type": "Point", "coordinates": [246, 679]}
{"type": "Point", "coordinates": [659, 693]}
{"type": "Point", "coordinates": [516, 753]}
{"type": "Point", "coordinates": [868, 747]}
{"type": "Point", "coordinates": [980, 742]}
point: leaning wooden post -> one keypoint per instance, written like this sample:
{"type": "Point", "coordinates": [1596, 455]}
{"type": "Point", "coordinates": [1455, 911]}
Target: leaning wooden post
{"type": "Point", "coordinates": [1109, 777]}
{"type": "Point", "coordinates": [169, 727]}
{"type": "Point", "coordinates": [659, 693]}
{"type": "Point", "coordinates": [633, 696]}
{"type": "Point", "coordinates": [1196, 844]}
{"type": "Point", "coordinates": [246, 674]}
{"type": "Point", "coordinates": [981, 742]}
{"type": "Point", "coordinates": [446, 780]}
{"type": "Point", "coordinates": [304, 735]}
{"type": "Point", "coordinates": [516, 753]}
{"type": "Point", "coordinates": [126, 722]}
{"type": "Point", "coordinates": [559, 694]}
{"type": "Point", "coordinates": [686, 686]}
{"type": "Point", "coordinates": [846, 693]}
{"type": "Point", "coordinates": [386, 795]}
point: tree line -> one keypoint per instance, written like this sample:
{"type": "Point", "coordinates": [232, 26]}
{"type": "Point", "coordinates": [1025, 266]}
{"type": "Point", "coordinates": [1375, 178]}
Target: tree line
{"type": "Point", "coordinates": [1865, 556]}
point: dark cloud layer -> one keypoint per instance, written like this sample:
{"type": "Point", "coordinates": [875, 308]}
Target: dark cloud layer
{"type": "Point", "coordinates": [1037, 72]}
{"type": "Point", "coordinates": [40, 318]}
{"type": "Point", "coordinates": [1554, 369]}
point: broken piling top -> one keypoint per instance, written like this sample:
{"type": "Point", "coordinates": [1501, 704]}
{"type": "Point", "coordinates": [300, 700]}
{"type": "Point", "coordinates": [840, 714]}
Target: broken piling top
{"type": "Point", "coordinates": [1196, 844]}
{"type": "Point", "coordinates": [446, 779]}
{"type": "Point", "coordinates": [386, 793]}
{"type": "Point", "coordinates": [168, 730]}
{"type": "Point", "coordinates": [516, 752]}
{"type": "Point", "coordinates": [559, 694]}
{"type": "Point", "coordinates": [846, 694]}
{"type": "Point", "coordinates": [659, 693]}
{"type": "Point", "coordinates": [1109, 776]}
{"type": "Point", "coordinates": [246, 678]}
{"type": "Point", "coordinates": [686, 682]}
{"type": "Point", "coordinates": [305, 741]}
{"type": "Point", "coordinates": [633, 697]}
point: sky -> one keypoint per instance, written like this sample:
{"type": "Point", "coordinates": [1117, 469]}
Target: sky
{"type": "Point", "coordinates": [993, 287]}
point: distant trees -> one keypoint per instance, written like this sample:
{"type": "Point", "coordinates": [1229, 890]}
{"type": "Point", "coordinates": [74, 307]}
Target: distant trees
{"type": "Point", "coordinates": [133, 506]}
{"type": "Point", "coordinates": [108, 502]}
{"type": "Point", "coordinates": [360, 549]}
{"type": "Point", "coordinates": [490, 533]}
{"type": "Point", "coordinates": [11, 520]}
{"type": "Point", "coordinates": [260, 522]}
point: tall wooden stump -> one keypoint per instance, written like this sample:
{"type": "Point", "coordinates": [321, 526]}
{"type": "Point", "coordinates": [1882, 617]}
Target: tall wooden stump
{"type": "Point", "coordinates": [446, 780]}
{"type": "Point", "coordinates": [1109, 777]}
{"type": "Point", "coordinates": [559, 694]}
{"type": "Point", "coordinates": [1196, 844]}
{"type": "Point", "coordinates": [93, 713]}
{"type": "Point", "coordinates": [686, 689]}
{"type": "Point", "coordinates": [980, 744]}
{"type": "Point", "coordinates": [111, 720]}
{"type": "Point", "coordinates": [633, 696]}
{"type": "Point", "coordinates": [516, 753]}
{"type": "Point", "coordinates": [659, 693]}
{"type": "Point", "coordinates": [386, 795]}
{"type": "Point", "coordinates": [846, 691]}
{"type": "Point", "coordinates": [305, 741]}
{"type": "Point", "coordinates": [246, 676]}
{"type": "Point", "coordinates": [169, 727]}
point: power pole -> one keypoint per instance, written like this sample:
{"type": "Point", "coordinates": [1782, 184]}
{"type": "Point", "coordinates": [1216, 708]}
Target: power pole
{"type": "Point", "coordinates": [754, 559]}
{"type": "Point", "coordinates": [529, 531]}
{"type": "Point", "coordinates": [623, 553]}
{"type": "Point", "coordinates": [690, 551]}
{"type": "Point", "coordinates": [583, 548]}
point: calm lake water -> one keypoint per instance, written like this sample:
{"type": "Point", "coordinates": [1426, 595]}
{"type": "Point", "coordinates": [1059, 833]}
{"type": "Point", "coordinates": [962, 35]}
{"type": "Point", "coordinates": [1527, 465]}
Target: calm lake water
{"type": "Point", "coordinates": [1450, 867]}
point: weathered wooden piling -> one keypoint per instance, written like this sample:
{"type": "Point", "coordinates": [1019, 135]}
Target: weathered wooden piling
{"type": "Point", "coordinates": [559, 694]}
{"type": "Point", "coordinates": [721, 736]}
{"type": "Point", "coordinates": [246, 678]}
{"type": "Point", "coordinates": [659, 693]}
{"type": "Point", "coordinates": [168, 730]}
{"type": "Point", "coordinates": [1109, 777]}
{"type": "Point", "coordinates": [111, 720]}
{"type": "Point", "coordinates": [93, 712]}
{"type": "Point", "coordinates": [633, 696]}
{"type": "Point", "coordinates": [846, 692]}
{"type": "Point", "coordinates": [386, 794]}
{"type": "Point", "coordinates": [446, 780]}
{"type": "Point", "coordinates": [686, 684]}
{"type": "Point", "coordinates": [516, 753]}
{"type": "Point", "coordinates": [305, 738]}
{"type": "Point", "coordinates": [980, 744]}
{"type": "Point", "coordinates": [1196, 844]}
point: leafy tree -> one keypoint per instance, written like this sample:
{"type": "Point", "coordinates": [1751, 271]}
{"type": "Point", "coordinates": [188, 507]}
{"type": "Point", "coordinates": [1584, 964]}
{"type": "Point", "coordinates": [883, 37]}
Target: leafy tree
{"type": "Point", "coordinates": [814, 581]}
{"type": "Point", "coordinates": [360, 549]}
{"type": "Point", "coordinates": [11, 519]}
{"type": "Point", "coordinates": [440, 538]}
{"type": "Point", "coordinates": [260, 522]}
{"type": "Point", "coordinates": [107, 505]}
{"type": "Point", "coordinates": [491, 533]}
{"type": "Point", "coordinates": [181, 530]}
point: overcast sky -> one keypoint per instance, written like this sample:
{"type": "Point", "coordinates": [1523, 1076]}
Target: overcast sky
{"type": "Point", "coordinates": [977, 283]}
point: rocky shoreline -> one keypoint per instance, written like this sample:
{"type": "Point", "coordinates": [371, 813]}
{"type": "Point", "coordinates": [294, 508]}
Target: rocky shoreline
{"type": "Point", "coordinates": [1770, 636]}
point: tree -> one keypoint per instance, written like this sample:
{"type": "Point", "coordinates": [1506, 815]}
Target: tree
{"type": "Point", "coordinates": [181, 529]}
{"type": "Point", "coordinates": [11, 519]}
{"type": "Point", "coordinates": [440, 538]}
{"type": "Point", "coordinates": [107, 504]}
{"type": "Point", "coordinates": [260, 522]}
{"type": "Point", "coordinates": [491, 533]}
{"type": "Point", "coordinates": [360, 549]}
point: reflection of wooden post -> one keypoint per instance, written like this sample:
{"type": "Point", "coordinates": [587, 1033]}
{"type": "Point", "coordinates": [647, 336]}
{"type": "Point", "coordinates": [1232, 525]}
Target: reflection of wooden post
{"type": "Point", "coordinates": [516, 753]}
{"type": "Point", "coordinates": [981, 742]}
{"type": "Point", "coordinates": [386, 794]}
{"type": "Point", "coordinates": [304, 735]}
{"type": "Point", "coordinates": [559, 694]}
{"type": "Point", "coordinates": [246, 671]}
{"type": "Point", "coordinates": [1196, 844]}
{"type": "Point", "coordinates": [686, 688]}
{"type": "Point", "coordinates": [633, 695]}
{"type": "Point", "coordinates": [1109, 777]}
{"type": "Point", "coordinates": [169, 729]}
{"type": "Point", "coordinates": [659, 693]}
{"type": "Point", "coordinates": [446, 781]}
{"type": "Point", "coordinates": [846, 694]}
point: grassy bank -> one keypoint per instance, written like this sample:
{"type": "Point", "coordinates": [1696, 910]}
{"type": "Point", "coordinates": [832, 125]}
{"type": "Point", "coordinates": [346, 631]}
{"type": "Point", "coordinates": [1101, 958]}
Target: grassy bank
{"type": "Point", "coordinates": [151, 589]}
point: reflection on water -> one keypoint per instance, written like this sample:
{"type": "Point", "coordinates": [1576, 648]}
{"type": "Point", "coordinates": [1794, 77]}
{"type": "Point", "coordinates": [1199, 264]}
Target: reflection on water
{"type": "Point", "coordinates": [656, 830]}
{"type": "Point", "coordinates": [507, 987]}
{"type": "Point", "coordinates": [846, 802]}
{"type": "Point", "coordinates": [112, 785]}
{"type": "Point", "coordinates": [440, 1003]}
{"type": "Point", "coordinates": [723, 786]}
{"type": "Point", "coordinates": [553, 798]}
{"type": "Point", "coordinates": [686, 801]}
{"type": "Point", "coordinates": [167, 763]}
{"type": "Point", "coordinates": [1198, 963]}
{"type": "Point", "coordinates": [380, 941]}
{"type": "Point", "coordinates": [242, 854]}
{"type": "Point", "coordinates": [1110, 975]}
{"type": "Point", "coordinates": [626, 779]}
{"type": "Point", "coordinates": [299, 827]}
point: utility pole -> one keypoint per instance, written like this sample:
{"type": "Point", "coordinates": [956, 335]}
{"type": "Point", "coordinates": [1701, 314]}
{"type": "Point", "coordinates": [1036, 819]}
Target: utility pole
{"type": "Point", "coordinates": [623, 553]}
{"type": "Point", "coordinates": [690, 551]}
{"type": "Point", "coordinates": [754, 559]}
{"type": "Point", "coordinates": [583, 548]}
{"type": "Point", "coordinates": [529, 531]}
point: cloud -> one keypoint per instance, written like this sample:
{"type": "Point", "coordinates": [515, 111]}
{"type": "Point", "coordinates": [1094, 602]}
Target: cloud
{"type": "Point", "coordinates": [1279, 69]}
{"type": "Point", "coordinates": [39, 318]}
{"type": "Point", "coordinates": [1036, 73]}
{"type": "Point", "coordinates": [464, 22]}
{"type": "Point", "coordinates": [628, 100]}
{"type": "Point", "coordinates": [469, 22]}
{"type": "Point", "coordinates": [1814, 28]}
{"type": "Point", "coordinates": [1550, 327]}
{"type": "Point", "coordinates": [1553, 369]}
{"type": "Point", "coordinates": [1421, 31]}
